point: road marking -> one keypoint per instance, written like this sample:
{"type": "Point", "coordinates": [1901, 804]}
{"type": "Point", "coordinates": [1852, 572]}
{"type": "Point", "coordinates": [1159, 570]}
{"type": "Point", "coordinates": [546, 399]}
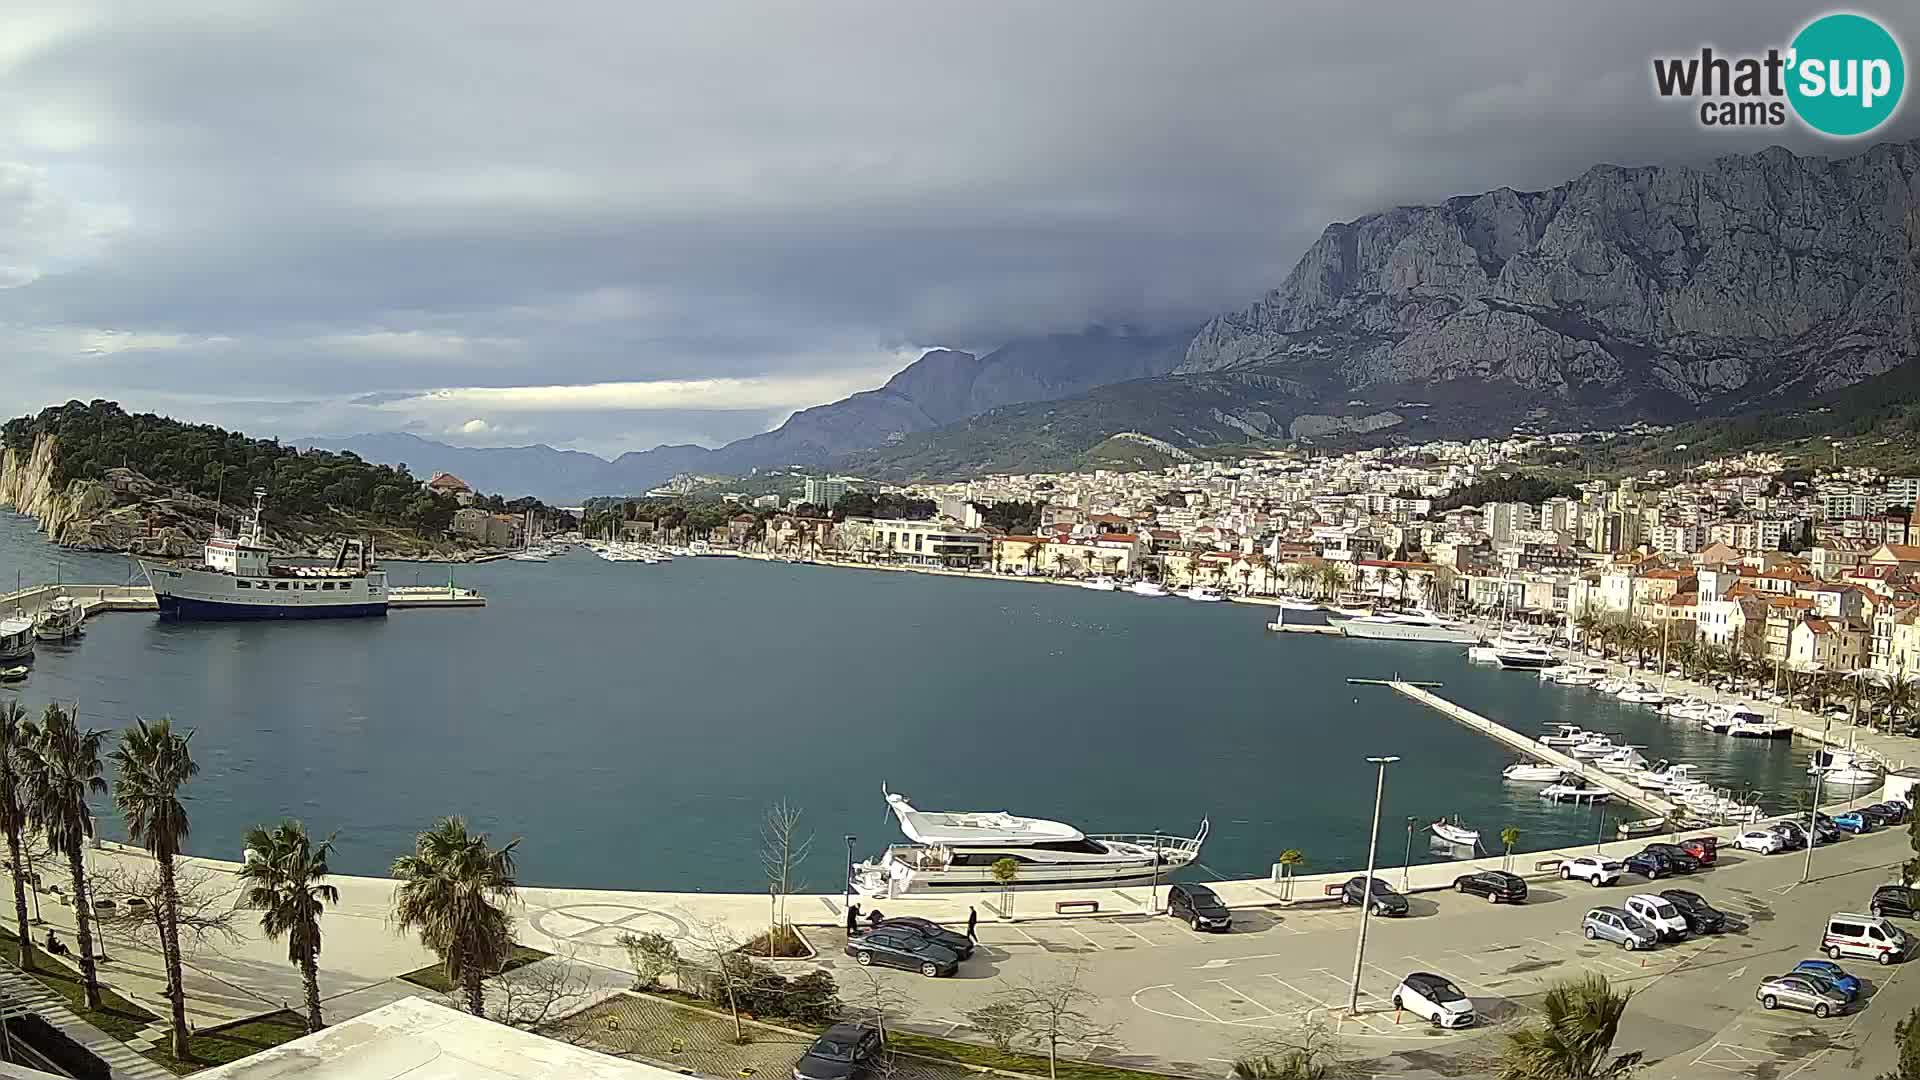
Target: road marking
{"type": "Point", "coordinates": [1348, 983]}
{"type": "Point", "coordinates": [1738, 973]}
{"type": "Point", "coordinates": [1085, 938]}
{"type": "Point", "coordinates": [1244, 996]}
{"type": "Point", "coordinates": [1138, 934]}
{"type": "Point", "coordinates": [1299, 991]}
{"type": "Point", "coordinates": [1804, 1065]}
{"type": "Point", "coordinates": [1226, 961]}
{"type": "Point", "coordinates": [1196, 1007]}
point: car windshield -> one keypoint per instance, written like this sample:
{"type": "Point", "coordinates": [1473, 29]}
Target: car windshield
{"type": "Point", "coordinates": [1633, 923]}
{"type": "Point", "coordinates": [1442, 992]}
{"type": "Point", "coordinates": [1380, 888]}
{"type": "Point", "coordinates": [831, 1048]}
{"type": "Point", "coordinates": [1665, 911]}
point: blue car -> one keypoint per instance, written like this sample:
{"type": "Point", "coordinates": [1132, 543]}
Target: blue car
{"type": "Point", "coordinates": [1853, 822]}
{"type": "Point", "coordinates": [1835, 976]}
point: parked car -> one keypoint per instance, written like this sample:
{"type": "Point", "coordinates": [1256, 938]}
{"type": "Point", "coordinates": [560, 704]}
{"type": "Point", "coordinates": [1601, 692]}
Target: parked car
{"type": "Point", "coordinates": [1835, 975]}
{"type": "Point", "coordinates": [1617, 925]}
{"type": "Point", "coordinates": [1384, 902]}
{"type": "Point", "coordinates": [1899, 810]}
{"type": "Point", "coordinates": [1591, 869]}
{"type": "Point", "coordinates": [1886, 813]}
{"type": "Point", "coordinates": [1702, 917]}
{"type": "Point", "coordinates": [1789, 832]}
{"type": "Point", "coordinates": [1651, 865]}
{"type": "Point", "coordinates": [1495, 885]}
{"type": "Point", "coordinates": [1659, 913]}
{"type": "Point", "coordinates": [961, 944]}
{"type": "Point", "coordinates": [1868, 936]}
{"type": "Point", "coordinates": [1800, 992]}
{"type": "Point", "coordinates": [1435, 999]}
{"type": "Point", "coordinates": [1899, 901]}
{"type": "Point", "coordinates": [903, 948]}
{"type": "Point", "coordinates": [1682, 859]}
{"type": "Point", "coordinates": [1704, 848]}
{"type": "Point", "coordinates": [842, 1052]}
{"type": "Point", "coordinates": [1760, 841]}
{"type": "Point", "coordinates": [1854, 822]}
{"type": "Point", "coordinates": [1199, 906]}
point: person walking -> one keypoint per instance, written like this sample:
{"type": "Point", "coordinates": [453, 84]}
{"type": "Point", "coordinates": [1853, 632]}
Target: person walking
{"type": "Point", "coordinates": [973, 924]}
{"type": "Point", "coordinates": [853, 919]}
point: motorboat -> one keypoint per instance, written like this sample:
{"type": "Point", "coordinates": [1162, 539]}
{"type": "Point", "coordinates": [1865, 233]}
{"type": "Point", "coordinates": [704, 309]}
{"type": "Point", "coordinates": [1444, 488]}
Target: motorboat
{"type": "Point", "coordinates": [1632, 830]}
{"type": "Point", "coordinates": [1575, 792]}
{"type": "Point", "coordinates": [1626, 759]}
{"type": "Point", "coordinates": [1455, 833]}
{"type": "Point", "coordinates": [1294, 603]}
{"type": "Point", "coordinates": [1103, 583]}
{"type": "Point", "coordinates": [957, 849]}
{"type": "Point", "coordinates": [1724, 717]}
{"type": "Point", "coordinates": [59, 620]}
{"type": "Point", "coordinates": [1595, 745]}
{"type": "Point", "coordinates": [1693, 709]}
{"type": "Point", "coordinates": [1144, 587]}
{"type": "Point", "coordinates": [1612, 684]}
{"type": "Point", "coordinates": [1204, 593]}
{"type": "Point", "coordinates": [528, 556]}
{"type": "Point", "coordinates": [1514, 652]}
{"type": "Point", "coordinates": [1407, 626]}
{"type": "Point", "coordinates": [16, 638]}
{"type": "Point", "coordinates": [14, 674]}
{"type": "Point", "coordinates": [1681, 778]}
{"type": "Point", "coordinates": [1528, 772]}
{"type": "Point", "coordinates": [1641, 693]}
{"type": "Point", "coordinates": [1565, 735]}
{"type": "Point", "coordinates": [1573, 675]}
{"type": "Point", "coordinates": [1760, 730]}
{"type": "Point", "coordinates": [1843, 768]}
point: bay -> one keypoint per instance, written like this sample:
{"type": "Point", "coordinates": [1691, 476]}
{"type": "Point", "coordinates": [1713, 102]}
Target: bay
{"type": "Point", "coordinates": [633, 723]}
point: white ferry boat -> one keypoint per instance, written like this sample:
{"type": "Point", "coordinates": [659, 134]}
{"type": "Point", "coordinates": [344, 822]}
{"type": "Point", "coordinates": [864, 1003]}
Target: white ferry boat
{"type": "Point", "coordinates": [956, 849]}
{"type": "Point", "coordinates": [239, 580]}
{"type": "Point", "coordinates": [16, 638]}
{"type": "Point", "coordinates": [1406, 626]}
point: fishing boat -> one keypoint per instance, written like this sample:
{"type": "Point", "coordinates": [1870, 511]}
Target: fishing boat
{"type": "Point", "coordinates": [1455, 833]}
{"type": "Point", "coordinates": [957, 849]}
{"type": "Point", "coordinates": [1629, 830]}
{"type": "Point", "coordinates": [13, 674]}
{"type": "Point", "coordinates": [60, 620]}
{"type": "Point", "coordinates": [1843, 768]}
{"type": "Point", "coordinates": [1528, 772]}
{"type": "Point", "coordinates": [238, 578]}
{"type": "Point", "coordinates": [16, 638]}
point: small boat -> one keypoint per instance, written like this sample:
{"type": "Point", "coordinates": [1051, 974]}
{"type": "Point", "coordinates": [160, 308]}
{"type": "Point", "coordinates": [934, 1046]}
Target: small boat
{"type": "Point", "coordinates": [1204, 593]}
{"type": "Point", "coordinates": [1626, 759]}
{"type": "Point", "coordinates": [1575, 792]}
{"type": "Point", "coordinates": [1842, 768]}
{"type": "Point", "coordinates": [1653, 826]}
{"type": "Point", "coordinates": [1290, 603]}
{"type": "Point", "coordinates": [16, 638]}
{"type": "Point", "coordinates": [1102, 583]}
{"type": "Point", "coordinates": [1147, 588]}
{"type": "Point", "coordinates": [1723, 718]}
{"type": "Point", "coordinates": [1455, 833]}
{"type": "Point", "coordinates": [1612, 685]}
{"type": "Point", "coordinates": [528, 556]}
{"type": "Point", "coordinates": [1529, 772]}
{"type": "Point", "coordinates": [1748, 730]}
{"type": "Point", "coordinates": [60, 620]}
{"type": "Point", "coordinates": [13, 674]}
{"type": "Point", "coordinates": [1692, 709]}
{"type": "Point", "coordinates": [1595, 745]}
{"type": "Point", "coordinates": [1565, 735]}
{"type": "Point", "coordinates": [1642, 693]}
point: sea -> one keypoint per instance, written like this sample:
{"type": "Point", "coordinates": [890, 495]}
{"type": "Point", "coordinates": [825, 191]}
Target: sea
{"type": "Point", "coordinates": [633, 724]}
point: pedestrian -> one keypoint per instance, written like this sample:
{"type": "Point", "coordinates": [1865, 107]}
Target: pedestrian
{"type": "Point", "coordinates": [853, 919]}
{"type": "Point", "coordinates": [973, 924]}
{"type": "Point", "coordinates": [874, 917]}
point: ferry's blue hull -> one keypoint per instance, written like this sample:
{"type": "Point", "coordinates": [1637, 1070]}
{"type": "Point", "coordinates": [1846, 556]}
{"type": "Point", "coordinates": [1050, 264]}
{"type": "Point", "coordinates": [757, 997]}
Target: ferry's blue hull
{"type": "Point", "coordinates": [175, 607]}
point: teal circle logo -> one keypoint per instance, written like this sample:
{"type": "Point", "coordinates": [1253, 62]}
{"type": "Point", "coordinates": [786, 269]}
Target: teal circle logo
{"type": "Point", "coordinates": [1847, 75]}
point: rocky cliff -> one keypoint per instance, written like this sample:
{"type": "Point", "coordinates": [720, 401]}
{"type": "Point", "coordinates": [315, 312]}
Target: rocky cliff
{"type": "Point", "coordinates": [1650, 291]}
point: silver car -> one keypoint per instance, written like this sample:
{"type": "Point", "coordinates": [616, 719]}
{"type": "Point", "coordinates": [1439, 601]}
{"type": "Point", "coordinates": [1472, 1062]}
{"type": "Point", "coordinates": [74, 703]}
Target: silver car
{"type": "Point", "coordinates": [1617, 925]}
{"type": "Point", "coordinates": [1796, 991]}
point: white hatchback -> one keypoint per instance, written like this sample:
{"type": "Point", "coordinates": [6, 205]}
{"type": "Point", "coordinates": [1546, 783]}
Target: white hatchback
{"type": "Point", "coordinates": [1435, 999]}
{"type": "Point", "coordinates": [1760, 841]}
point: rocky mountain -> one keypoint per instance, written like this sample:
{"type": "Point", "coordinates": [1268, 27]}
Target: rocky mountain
{"type": "Point", "coordinates": [1646, 293]}
{"type": "Point", "coordinates": [941, 387]}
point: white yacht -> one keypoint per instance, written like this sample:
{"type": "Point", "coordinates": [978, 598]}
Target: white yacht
{"type": "Point", "coordinates": [1624, 761]}
{"type": "Point", "coordinates": [1527, 772]}
{"type": "Point", "coordinates": [1143, 587]}
{"type": "Point", "coordinates": [1595, 745]}
{"type": "Point", "coordinates": [1455, 833]}
{"type": "Point", "coordinates": [1843, 768]}
{"type": "Point", "coordinates": [1725, 717]}
{"type": "Point", "coordinates": [1103, 583]}
{"type": "Point", "coordinates": [1514, 651]}
{"type": "Point", "coordinates": [1406, 626]}
{"type": "Point", "coordinates": [1294, 603]}
{"type": "Point", "coordinates": [1692, 709]}
{"type": "Point", "coordinates": [1610, 684]}
{"type": "Point", "coordinates": [1642, 693]}
{"type": "Point", "coordinates": [1564, 735]}
{"type": "Point", "coordinates": [1760, 729]}
{"type": "Point", "coordinates": [1573, 675]}
{"type": "Point", "coordinates": [1205, 593]}
{"type": "Point", "coordinates": [60, 620]}
{"type": "Point", "coordinates": [16, 638]}
{"type": "Point", "coordinates": [956, 849]}
{"type": "Point", "coordinates": [1575, 791]}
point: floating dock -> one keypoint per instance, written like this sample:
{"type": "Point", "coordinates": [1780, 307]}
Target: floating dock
{"type": "Point", "coordinates": [1531, 747]}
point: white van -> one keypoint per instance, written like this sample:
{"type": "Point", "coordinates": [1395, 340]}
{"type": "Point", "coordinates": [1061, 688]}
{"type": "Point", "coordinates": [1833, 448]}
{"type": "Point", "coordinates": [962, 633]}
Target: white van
{"type": "Point", "coordinates": [1659, 913]}
{"type": "Point", "coordinates": [1867, 936]}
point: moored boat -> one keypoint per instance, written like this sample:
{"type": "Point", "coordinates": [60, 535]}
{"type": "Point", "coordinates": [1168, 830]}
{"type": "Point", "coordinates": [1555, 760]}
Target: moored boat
{"type": "Point", "coordinates": [1204, 593]}
{"type": "Point", "coordinates": [1407, 626]}
{"type": "Point", "coordinates": [1530, 772]}
{"type": "Point", "coordinates": [1143, 587]}
{"type": "Point", "coordinates": [16, 638]}
{"type": "Point", "coordinates": [60, 619]}
{"type": "Point", "coordinates": [1843, 768]}
{"type": "Point", "coordinates": [1453, 832]}
{"type": "Point", "coordinates": [238, 578]}
{"type": "Point", "coordinates": [1575, 791]}
{"type": "Point", "coordinates": [14, 674]}
{"type": "Point", "coordinates": [1101, 583]}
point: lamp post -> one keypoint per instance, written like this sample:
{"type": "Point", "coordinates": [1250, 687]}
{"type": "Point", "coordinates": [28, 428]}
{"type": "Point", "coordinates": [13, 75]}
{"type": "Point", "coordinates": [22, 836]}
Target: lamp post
{"type": "Point", "coordinates": [1406, 867]}
{"type": "Point", "coordinates": [1153, 895]}
{"type": "Point", "coordinates": [1813, 811]}
{"type": "Point", "coordinates": [1366, 899]}
{"type": "Point", "coordinates": [846, 897]}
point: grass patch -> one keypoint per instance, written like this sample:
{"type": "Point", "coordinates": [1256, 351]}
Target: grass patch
{"type": "Point", "coordinates": [434, 976]}
{"type": "Point", "coordinates": [971, 1054]}
{"type": "Point", "coordinates": [218, 1046]}
{"type": "Point", "coordinates": [787, 944]}
{"type": "Point", "coordinates": [116, 1016]}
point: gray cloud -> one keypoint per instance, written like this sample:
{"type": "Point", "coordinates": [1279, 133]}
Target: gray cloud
{"type": "Point", "coordinates": [258, 212]}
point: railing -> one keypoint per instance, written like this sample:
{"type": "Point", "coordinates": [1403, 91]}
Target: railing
{"type": "Point", "coordinates": [1183, 848]}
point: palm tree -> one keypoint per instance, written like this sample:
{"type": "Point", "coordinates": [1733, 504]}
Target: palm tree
{"type": "Point", "coordinates": [1580, 1020]}
{"type": "Point", "coordinates": [1687, 655]}
{"type": "Point", "coordinates": [13, 725]}
{"type": "Point", "coordinates": [59, 770]}
{"type": "Point", "coordinates": [285, 879]}
{"type": "Point", "coordinates": [1402, 577]}
{"type": "Point", "coordinates": [453, 891]}
{"type": "Point", "coordinates": [1289, 859]}
{"type": "Point", "coordinates": [1246, 578]}
{"type": "Point", "coordinates": [1897, 696]}
{"type": "Point", "coordinates": [1032, 555]}
{"type": "Point", "coordinates": [1509, 836]}
{"type": "Point", "coordinates": [1258, 563]}
{"type": "Point", "coordinates": [1586, 622]}
{"type": "Point", "coordinates": [154, 764]}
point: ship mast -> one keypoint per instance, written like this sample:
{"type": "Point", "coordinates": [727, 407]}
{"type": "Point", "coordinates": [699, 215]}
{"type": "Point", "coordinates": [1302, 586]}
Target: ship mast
{"type": "Point", "coordinates": [253, 520]}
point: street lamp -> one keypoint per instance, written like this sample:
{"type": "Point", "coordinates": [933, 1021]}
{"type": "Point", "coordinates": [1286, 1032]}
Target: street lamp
{"type": "Point", "coordinates": [846, 897]}
{"type": "Point", "coordinates": [1813, 811]}
{"type": "Point", "coordinates": [1153, 895]}
{"type": "Point", "coordinates": [1366, 898]}
{"type": "Point", "coordinates": [1406, 867]}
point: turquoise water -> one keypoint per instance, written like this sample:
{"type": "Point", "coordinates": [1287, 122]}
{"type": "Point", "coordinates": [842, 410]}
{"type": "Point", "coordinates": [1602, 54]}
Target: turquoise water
{"type": "Point", "coordinates": [633, 722]}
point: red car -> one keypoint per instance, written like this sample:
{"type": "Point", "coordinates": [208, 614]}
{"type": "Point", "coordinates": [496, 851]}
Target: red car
{"type": "Point", "coordinates": [1703, 848]}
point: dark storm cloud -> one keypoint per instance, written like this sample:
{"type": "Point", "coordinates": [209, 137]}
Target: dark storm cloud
{"type": "Point", "coordinates": [281, 202]}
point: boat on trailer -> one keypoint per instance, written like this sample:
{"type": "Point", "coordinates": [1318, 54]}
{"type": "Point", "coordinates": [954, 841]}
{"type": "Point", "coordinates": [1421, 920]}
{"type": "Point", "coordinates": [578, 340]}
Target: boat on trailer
{"type": "Point", "coordinates": [957, 849]}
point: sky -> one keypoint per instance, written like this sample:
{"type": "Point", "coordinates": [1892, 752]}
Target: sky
{"type": "Point", "coordinates": [606, 225]}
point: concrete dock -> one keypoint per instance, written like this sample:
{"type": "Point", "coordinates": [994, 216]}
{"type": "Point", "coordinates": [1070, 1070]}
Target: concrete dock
{"type": "Point", "coordinates": [103, 598]}
{"type": "Point", "coordinates": [1533, 748]}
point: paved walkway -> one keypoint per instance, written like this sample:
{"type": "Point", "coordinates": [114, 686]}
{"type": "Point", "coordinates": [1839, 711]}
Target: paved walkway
{"type": "Point", "coordinates": [125, 1061]}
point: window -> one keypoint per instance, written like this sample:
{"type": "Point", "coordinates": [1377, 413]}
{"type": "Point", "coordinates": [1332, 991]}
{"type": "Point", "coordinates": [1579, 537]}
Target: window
{"type": "Point", "coordinates": [312, 585]}
{"type": "Point", "coordinates": [326, 586]}
{"type": "Point", "coordinates": [242, 585]}
{"type": "Point", "coordinates": [1841, 929]}
{"type": "Point", "coordinates": [1874, 934]}
{"type": "Point", "coordinates": [280, 585]}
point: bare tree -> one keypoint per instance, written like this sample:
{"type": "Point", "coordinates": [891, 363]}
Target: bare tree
{"type": "Point", "coordinates": [538, 996]}
{"type": "Point", "coordinates": [1310, 1052]}
{"type": "Point", "coordinates": [1052, 1012]}
{"type": "Point", "coordinates": [207, 914]}
{"type": "Point", "coordinates": [783, 850]}
{"type": "Point", "coordinates": [714, 976]}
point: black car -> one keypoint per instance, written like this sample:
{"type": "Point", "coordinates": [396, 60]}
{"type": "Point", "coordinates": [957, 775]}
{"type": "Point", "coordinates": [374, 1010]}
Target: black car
{"type": "Point", "coordinates": [1886, 813]}
{"type": "Point", "coordinates": [843, 1052]}
{"type": "Point", "coordinates": [1789, 833]}
{"type": "Point", "coordinates": [903, 948]}
{"type": "Point", "coordinates": [1684, 861]}
{"type": "Point", "coordinates": [961, 944]}
{"type": "Point", "coordinates": [1385, 901]}
{"type": "Point", "coordinates": [1199, 906]}
{"type": "Point", "coordinates": [1495, 885]}
{"type": "Point", "coordinates": [1702, 917]}
{"type": "Point", "coordinates": [1896, 900]}
{"type": "Point", "coordinates": [1651, 865]}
